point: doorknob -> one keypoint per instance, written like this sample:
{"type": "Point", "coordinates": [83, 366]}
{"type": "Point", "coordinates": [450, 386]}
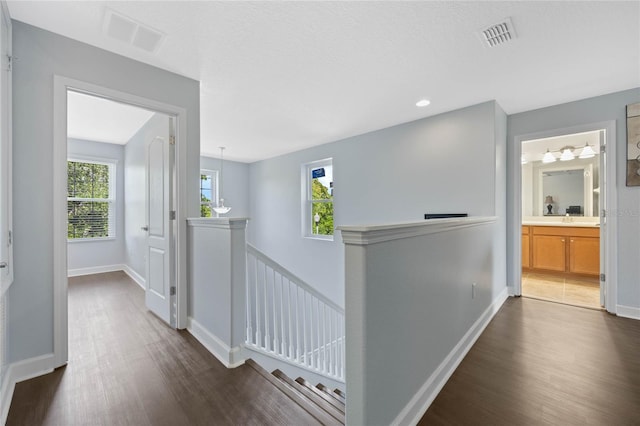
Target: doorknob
{"type": "Point", "coordinates": [3, 265]}
{"type": "Point", "coordinates": [145, 228]}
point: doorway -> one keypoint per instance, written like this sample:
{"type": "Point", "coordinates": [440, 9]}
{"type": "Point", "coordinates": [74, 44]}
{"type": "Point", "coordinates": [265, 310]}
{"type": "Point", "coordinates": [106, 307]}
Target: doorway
{"type": "Point", "coordinates": [578, 249]}
{"type": "Point", "coordinates": [561, 206]}
{"type": "Point", "coordinates": [169, 148]}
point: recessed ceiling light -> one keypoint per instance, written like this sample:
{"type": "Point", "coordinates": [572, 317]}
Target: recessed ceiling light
{"type": "Point", "coordinates": [423, 103]}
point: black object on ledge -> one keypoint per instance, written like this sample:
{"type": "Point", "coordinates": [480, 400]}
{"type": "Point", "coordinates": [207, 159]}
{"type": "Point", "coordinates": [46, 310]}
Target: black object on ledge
{"type": "Point", "coordinates": [443, 215]}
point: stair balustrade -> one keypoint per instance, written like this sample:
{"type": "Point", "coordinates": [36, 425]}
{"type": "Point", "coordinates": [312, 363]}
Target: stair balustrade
{"type": "Point", "coordinates": [290, 320]}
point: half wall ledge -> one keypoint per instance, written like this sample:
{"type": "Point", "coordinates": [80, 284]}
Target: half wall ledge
{"type": "Point", "coordinates": [363, 235]}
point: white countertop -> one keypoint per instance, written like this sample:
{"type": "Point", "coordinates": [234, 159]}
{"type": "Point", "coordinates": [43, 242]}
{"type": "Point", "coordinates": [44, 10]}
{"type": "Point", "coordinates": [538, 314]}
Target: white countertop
{"type": "Point", "coordinates": [577, 221]}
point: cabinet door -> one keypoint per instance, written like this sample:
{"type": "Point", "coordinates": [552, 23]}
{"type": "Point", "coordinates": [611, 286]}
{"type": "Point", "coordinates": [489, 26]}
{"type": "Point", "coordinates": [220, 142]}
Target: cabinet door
{"type": "Point", "coordinates": [584, 255]}
{"type": "Point", "coordinates": [549, 252]}
{"type": "Point", "coordinates": [526, 252]}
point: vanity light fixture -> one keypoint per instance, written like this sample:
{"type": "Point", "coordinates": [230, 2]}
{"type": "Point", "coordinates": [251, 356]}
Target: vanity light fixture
{"type": "Point", "coordinates": [423, 103]}
{"type": "Point", "coordinates": [587, 152]}
{"type": "Point", "coordinates": [567, 154]}
{"type": "Point", "coordinates": [220, 208]}
{"type": "Point", "coordinates": [548, 157]}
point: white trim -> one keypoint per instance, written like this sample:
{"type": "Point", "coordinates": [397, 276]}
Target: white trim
{"type": "Point", "coordinates": [19, 372]}
{"type": "Point", "coordinates": [94, 270]}
{"type": "Point", "coordinates": [628, 312]}
{"type": "Point", "coordinates": [514, 267]}
{"type": "Point", "coordinates": [415, 409]}
{"type": "Point", "coordinates": [229, 357]}
{"type": "Point", "coordinates": [139, 279]}
{"type": "Point", "coordinates": [60, 86]}
{"type": "Point", "coordinates": [218, 222]}
{"type": "Point", "coordinates": [365, 235]}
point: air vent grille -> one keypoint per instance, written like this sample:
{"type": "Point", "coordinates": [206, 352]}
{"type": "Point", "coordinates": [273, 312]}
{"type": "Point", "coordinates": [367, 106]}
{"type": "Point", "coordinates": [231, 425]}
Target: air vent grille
{"type": "Point", "coordinates": [498, 34]}
{"type": "Point", "coordinates": [131, 32]}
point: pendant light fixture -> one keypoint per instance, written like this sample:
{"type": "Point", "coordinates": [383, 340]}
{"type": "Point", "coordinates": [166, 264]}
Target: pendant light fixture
{"type": "Point", "coordinates": [587, 152]}
{"type": "Point", "coordinates": [548, 157]}
{"type": "Point", "coordinates": [220, 208]}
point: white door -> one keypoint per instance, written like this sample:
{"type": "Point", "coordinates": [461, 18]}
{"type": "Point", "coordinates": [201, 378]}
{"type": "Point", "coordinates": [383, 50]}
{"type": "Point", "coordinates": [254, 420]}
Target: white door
{"type": "Point", "coordinates": [6, 265]}
{"type": "Point", "coordinates": [602, 206]}
{"type": "Point", "coordinates": [160, 251]}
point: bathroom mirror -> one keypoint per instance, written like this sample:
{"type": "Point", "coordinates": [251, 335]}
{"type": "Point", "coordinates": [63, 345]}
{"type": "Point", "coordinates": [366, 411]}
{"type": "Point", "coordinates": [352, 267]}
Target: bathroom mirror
{"type": "Point", "coordinates": [567, 188]}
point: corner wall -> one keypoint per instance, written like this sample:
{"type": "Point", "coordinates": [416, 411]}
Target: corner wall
{"type": "Point", "coordinates": [445, 163]}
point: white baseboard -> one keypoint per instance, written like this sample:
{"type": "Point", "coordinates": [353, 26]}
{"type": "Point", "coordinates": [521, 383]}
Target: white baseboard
{"type": "Point", "coordinates": [94, 270]}
{"type": "Point", "coordinates": [230, 357]}
{"type": "Point", "coordinates": [628, 312]}
{"type": "Point", "coordinates": [135, 276]}
{"type": "Point", "coordinates": [415, 409]}
{"type": "Point", "coordinates": [21, 371]}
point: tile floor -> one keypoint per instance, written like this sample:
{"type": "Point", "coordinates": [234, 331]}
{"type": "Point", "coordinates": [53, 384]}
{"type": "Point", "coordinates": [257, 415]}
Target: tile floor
{"type": "Point", "coordinates": [583, 292]}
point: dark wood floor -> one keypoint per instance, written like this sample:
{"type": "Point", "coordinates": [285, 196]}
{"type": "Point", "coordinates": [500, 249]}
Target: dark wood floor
{"type": "Point", "coordinates": [541, 363]}
{"type": "Point", "coordinates": [536, 363]}
{"type": "Point", "coordinates": [127, 368]}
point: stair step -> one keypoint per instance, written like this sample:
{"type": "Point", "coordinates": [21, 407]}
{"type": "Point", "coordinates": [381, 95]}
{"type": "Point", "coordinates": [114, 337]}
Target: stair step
{"type": "Point", "coordinates": [337, 393]}
{"type": "Point", "coordinates": [321, 415]}
{"type": "Point", "coordinates": [331, 400]}
{"type": "Point", "coordinates": [315, 399]}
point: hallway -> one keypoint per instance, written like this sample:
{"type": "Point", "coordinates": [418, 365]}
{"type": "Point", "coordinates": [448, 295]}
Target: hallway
{"type": "Point", "coordinates": [127, 367]}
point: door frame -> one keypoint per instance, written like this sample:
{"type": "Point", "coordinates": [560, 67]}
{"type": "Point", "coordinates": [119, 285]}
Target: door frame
{"type": "Point", "coordinates": [60, 283]}
{"type": "Point", "coordinates": [610, 230]}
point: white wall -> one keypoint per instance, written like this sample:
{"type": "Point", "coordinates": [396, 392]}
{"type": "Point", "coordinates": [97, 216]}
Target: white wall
{"type": "Point", "coordinates": [96, 254]}
{"type": "Point", "coordinates": [445, 163]}
{"type": "Point", "coordinates": [135, 193]}
{"type": "Point", "coordinates": [236, 184]}
{"type": "Point", "coordinates": [595, 110]}
{"type": "Point", "coordinates": [42, 55]}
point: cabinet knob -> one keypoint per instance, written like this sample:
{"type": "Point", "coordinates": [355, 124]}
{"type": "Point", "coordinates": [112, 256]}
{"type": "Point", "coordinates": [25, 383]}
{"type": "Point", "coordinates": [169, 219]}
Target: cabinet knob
{"type": "Point", "coordinates": [562, 240]}
{"type": "Point", "coordinates": [571, 240]}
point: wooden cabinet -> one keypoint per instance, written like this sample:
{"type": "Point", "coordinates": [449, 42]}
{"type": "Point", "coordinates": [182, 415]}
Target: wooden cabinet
{"type": "Point", "coordinates": [549, 252]}
{"type": "Point", "coordinates": [561, 249]}
{"type": "Point", "coordinates": [584, 255]}
{"type": "Point", "coordinates": [526, 247]}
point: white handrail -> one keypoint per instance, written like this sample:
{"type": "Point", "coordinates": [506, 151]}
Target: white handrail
{"type": "Point", "coordinates": [290, 320]}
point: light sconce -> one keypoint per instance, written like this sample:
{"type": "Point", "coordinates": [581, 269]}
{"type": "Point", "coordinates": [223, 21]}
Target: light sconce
{"type": "Point", "coordinates": [587, 152]}
{"type": "Point", "coordinates": [548, 157]}
{"type": "Point", "coordinates": [567, 154]}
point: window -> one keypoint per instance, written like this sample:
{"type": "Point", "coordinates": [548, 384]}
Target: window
{"type": "Point", "coordinates": [318, 209]}
{"type": "Point", "coordinates": [208, 191]}
{"type": "Point", "coordinates": [90, 199]}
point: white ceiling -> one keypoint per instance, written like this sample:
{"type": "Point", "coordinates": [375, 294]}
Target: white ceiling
{"type": "Point", "coordinates": [281, 76]}
{"type": "Point", "coordinates": [96, 119]}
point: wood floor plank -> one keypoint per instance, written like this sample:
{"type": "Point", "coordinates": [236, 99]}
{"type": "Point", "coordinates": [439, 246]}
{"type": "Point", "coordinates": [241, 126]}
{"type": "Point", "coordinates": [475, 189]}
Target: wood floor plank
{"type": "Point", "coordinates": [545, 363]}
{"type": "Point", "coordinates": [126, 367]}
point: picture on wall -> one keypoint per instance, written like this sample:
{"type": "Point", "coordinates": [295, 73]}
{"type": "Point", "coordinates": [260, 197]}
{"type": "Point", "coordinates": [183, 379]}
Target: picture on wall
{"type": "Point", "coordinates": [633, 145]}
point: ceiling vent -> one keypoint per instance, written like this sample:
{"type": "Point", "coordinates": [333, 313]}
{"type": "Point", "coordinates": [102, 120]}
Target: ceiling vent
{"type": "Point", "coordinates": [498, 34]}
{"type": "Point", "coordinates": [127, 30]}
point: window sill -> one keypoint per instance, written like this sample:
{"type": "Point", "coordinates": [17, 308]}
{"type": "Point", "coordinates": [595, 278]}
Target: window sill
{"type": "Point", "coordinates": [319, 237]}
{"type": "Point", "coordinates": [91, 240]}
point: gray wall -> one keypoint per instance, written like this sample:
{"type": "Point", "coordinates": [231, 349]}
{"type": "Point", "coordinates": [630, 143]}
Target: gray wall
{"type": "Point", "coordinates": [135, 194]}
{"type": "Point", "coordinates": [593, 110]}
{"type": "Point", "coordinates": [236, 184]}
{"type": "Point", "coordinates": [42, 55]}
{"type": "Point", "coordinates": [445, 163]}
{"type": "Point", "coordinates": [90, 254]}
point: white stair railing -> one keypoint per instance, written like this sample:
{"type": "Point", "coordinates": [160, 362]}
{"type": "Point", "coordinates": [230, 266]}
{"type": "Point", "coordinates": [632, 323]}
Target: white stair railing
{"type": "Point", "coordinates": [290, 320]}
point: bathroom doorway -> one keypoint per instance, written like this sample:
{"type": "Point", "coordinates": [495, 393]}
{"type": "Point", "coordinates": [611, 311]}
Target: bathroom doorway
{"type": "Point", "coordinates": [563, 183]}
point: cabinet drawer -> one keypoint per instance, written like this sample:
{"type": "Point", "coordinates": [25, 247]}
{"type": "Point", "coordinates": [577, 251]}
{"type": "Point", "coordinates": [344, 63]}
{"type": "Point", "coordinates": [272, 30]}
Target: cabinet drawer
{"type": "Point", "coordinates": [566, 231]}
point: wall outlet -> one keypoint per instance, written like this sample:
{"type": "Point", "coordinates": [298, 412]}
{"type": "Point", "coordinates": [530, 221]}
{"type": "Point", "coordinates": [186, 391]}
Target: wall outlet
{"type": "Point", "coordinates": [473, 290]}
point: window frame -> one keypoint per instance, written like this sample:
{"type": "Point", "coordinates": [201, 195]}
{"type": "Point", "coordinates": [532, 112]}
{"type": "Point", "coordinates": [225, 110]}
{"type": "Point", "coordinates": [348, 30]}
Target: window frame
{"type": "Point", "coordinates": [112, 163]}
{"type": "Point", "coordinates": [215, 175]}
{"type": "Point", "coordinates": [308, 201]}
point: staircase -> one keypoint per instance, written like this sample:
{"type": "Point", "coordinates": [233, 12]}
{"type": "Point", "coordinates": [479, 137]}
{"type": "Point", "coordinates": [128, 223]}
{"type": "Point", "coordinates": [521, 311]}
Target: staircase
{"type": "Point", "coordinates": [327, 406]}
